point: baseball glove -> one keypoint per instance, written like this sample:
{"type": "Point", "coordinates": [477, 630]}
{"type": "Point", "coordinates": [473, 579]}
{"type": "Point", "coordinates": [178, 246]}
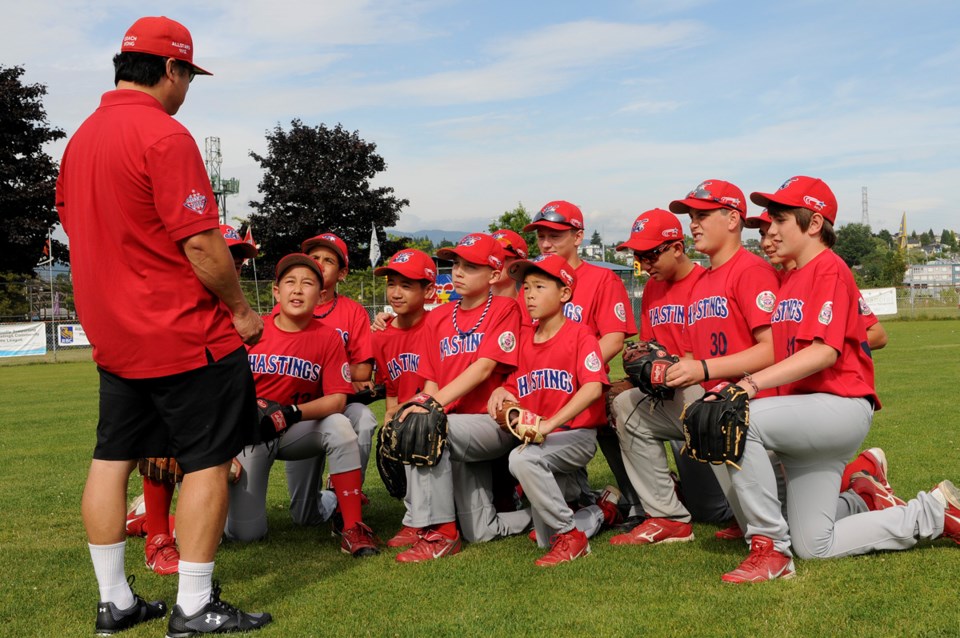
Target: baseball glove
{"type": "Point", "coordinates": [391, 472]}
{"type": "Point", "coordinates": [368, 395]}
{"type": "Point", "coordinates": [715, 431]}
{"type": "Point", "coordinates": [420, 438]}
{"type": "Point", "coordinates": [645, 364]}
{"type": "Point", "coordinates": [275, 418]}
{"type": "Point", "coordinates": [523, 424]}
{"type": "Point", "coordinates": [165, 470]}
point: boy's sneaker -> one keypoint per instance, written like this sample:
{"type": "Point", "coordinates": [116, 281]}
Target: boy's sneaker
{"type": "Point", "coordinates": [873, 462]}
{"type": "Point", "coordinates": [216, 617]}
{"type": "Point", "coordinates": [137, 517]}
{"type": "Point", "coordinates": [656, 530]}
{"type": "Point", "coordinates": [565, 548]}
{"type": "Point", "coordinates": [406, 537]}
{"type": "Point", "coordinates": [873, 493]}
{"type": "Point", "coordinates": [359, 541]}
{"type": "Point", "coordinates": [763, 563]}
{"type": "Point", "coordinates": [432, 545]}
{"type": "Point", "coordinates": [110, 620]}
{"type": "Point", "coordinates": [949, 496]}
{"type": "Point", "coordinates": [731, 533]}
{"type": "Point", "coordinates": [162, 555]}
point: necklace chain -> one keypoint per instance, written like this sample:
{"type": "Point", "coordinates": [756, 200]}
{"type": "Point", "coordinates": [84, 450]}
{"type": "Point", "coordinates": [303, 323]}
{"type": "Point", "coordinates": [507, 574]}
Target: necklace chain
{"type": "Point", "coordinates": [479, 321]}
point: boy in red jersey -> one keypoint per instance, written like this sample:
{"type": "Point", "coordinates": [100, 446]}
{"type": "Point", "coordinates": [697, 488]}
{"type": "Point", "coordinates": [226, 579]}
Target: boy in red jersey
{"type": "Point", "coordinates": [301, 363]}
{"type": "Point", "coordinates": [469, 348]}
{"type": "Point", "coordinates": [824, 408]}
{"type": "Point", "coordinates": [560, 377]}
{"type": "Point", "coordinates": [657, 244]}
{"type": "Point", "coordinates": [514, 249]}
{"type": "Point", "coordinates": [411, 276]}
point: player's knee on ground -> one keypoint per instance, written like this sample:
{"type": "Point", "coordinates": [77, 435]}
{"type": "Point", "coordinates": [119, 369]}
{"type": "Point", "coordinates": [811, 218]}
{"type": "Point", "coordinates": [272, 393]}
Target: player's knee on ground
{"type": "Point", "coordinates": [246, 531]}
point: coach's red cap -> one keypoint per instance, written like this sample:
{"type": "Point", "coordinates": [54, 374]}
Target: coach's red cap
{"type": "Point", "coordinates": [411, 263]}
{"type": "Point", "coordinates": [756, 222]}
{"type": "Point", "coordinates": [298, 259]}
{"type": "Point", "coordinates": [651, 229]}
{"type": "Point", "coordinates": [328, 240]}
{"type": "Point", "coordinates": [477, 248]}
{"type": "Point", "coordinates": [551, 264]}
{"type": "Point", "coordinates": [513, 243]}
{"type": "Point", "coordinates": [802, 192]}
{"type": "Point", "coordinates": [161, 36]}
{"type": "Point", "coordinates": [710, 195]}
{"type": "Point", "coordinates": [235, 242]}
{"type": "Point", "coordinates": [558, 215]}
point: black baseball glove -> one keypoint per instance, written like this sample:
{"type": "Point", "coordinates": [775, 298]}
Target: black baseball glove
{"type": "Point", "coordinates": [715, 430]}
{"type": "Point", "coordinates": [275, 418]}
{"type": "Point", "coordinates": [391, 472]}
{"type": "Point", "coordinates": [368, 395]}
{"type": "Point", "coordinates": [420, 438]}
{"type": "Point", "coordinates": [645, 364]}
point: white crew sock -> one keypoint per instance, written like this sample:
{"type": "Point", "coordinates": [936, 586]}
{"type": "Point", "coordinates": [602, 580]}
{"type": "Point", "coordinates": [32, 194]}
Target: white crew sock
{"type": "Point", "coordinates": [108, 566]}
{"type": "Point", "coordinates": [196, 585]}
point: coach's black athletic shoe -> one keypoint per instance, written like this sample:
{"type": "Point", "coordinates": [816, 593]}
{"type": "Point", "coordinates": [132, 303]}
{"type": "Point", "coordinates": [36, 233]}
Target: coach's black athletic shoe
{"type": "Point", "coordinates": [217, 617]}
{"type": "Point", "coordinates": [110, 620]}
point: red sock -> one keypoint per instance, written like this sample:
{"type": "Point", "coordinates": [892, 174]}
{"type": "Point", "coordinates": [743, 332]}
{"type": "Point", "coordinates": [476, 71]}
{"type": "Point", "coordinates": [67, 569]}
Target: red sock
{"type": "Point", "coordinates": [447, 529]}
{"type": "Point", "coordinates": [157, 496]}
{"type": "Point", "coordinates": [347, 486]}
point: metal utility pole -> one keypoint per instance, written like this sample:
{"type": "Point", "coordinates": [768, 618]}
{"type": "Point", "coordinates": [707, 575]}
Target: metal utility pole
{"type": "Point", "coordinates": [865, 215]}
{"type": "Point", "coordinates": [221, 187]}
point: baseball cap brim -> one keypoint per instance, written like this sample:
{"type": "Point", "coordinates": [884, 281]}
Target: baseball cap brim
{"type": "Point", "coordinates": [756, 222]}
{"type": "Point", "coordinates": [310, 244]}
{"type": "Point", "coordinates": [684, 206]}
{"type": "Point", "coordinates": [519, 269]}
{"type": "Point", "coordinates": [249, 251]}
{"type": "Point", "coordinates": [297, 259]}
{"type": "Point", "coordinates": [548, 224]}
{"type": "Point", "coordinates": [641, 245]}
{"type": "Point", "coordinates": [450, 254]}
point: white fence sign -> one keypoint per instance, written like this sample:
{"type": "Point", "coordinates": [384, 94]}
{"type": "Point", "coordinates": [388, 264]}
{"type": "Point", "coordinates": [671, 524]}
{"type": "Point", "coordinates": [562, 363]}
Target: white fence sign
{"type": "Point", "coordinates": [71, 334]}
{"type": "Point", "coordinates": [23, 339]}
{"type": "Point", "coordinates": [882, 301]}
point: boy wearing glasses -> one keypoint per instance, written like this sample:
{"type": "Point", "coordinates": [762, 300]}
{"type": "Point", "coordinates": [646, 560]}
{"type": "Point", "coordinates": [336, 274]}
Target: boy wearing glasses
{"type": "Point", "coordinates": [657, 244]}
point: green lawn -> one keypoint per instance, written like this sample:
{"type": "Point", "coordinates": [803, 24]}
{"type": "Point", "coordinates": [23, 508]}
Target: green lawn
{"type": "Point", "coordinates": [48, 416]}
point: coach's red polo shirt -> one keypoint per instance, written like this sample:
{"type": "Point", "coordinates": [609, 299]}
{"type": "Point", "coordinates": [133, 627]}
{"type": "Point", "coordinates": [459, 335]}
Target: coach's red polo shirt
{"type": "Point", "coordinates": [132, 184]}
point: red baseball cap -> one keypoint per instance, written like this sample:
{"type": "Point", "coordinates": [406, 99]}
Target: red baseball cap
{"type": "Point", "coordinates": [651, 229]}
{"type": "Point", "coordinates": [755, 222]}
{"type": "Point", "coordinates": [411, 263]}
{"type": "Point", "coordinates": [161, 36]}
{"type": "Point", "coordinates": [557, 215]}
{"type": "Point", "coordinates": [477, 248]}
{"type": "Point", "coordinates": [552, 264]}
{"type": "Point", "coordinates": [513, 244]}
{"type": "Point", "coordinates": [709, 195]}
{"type": "Point", "coordinates": [234, 240]}
{"type": "Point", "coordinates": [298, 259]}
{"type": "Point", "coordinates": [802, 192]}
{"type": "Point", "coordinates": [327, 240]}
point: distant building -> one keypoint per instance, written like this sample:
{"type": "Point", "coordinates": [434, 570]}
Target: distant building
{"type": "Point", "coordinates": [931, 279]}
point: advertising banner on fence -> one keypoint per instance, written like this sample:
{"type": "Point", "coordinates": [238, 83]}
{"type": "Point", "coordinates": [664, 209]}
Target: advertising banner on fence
{"type": "Point", "coordinates": [882, 301]}
{"type": "Point", "coordinates": [71, 334]}
{"type": "Point", "coordinates": [22, 339]}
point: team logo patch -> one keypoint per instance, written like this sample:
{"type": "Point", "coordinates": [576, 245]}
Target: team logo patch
{"type": "Point", "coordinates": [567, 277]}
{"type": "Point", "coordinates": [538, 259]}
{"type": "Point", "coordinates": [787, 183]}
{"type": "Point", "coordinates": [429, 274]}
{"type": "Point", "coordinates": [495, 263]}
{"type": "Point", "coordinates": [671, 233]}
{"type": "Point", "coordinates": [329, 237]}
{"type": "Point", "coordinates": [864, 307]}
{"type": "Point", "coordinates": [576, 223]}
{"type": "Point", "coordinates": [826, 313]}
{"type": "Point", "coordinates": [620, 311]}
{"type": "Point", "coordinates": [507, 341]}
{"type": "Point", "coordinates": [402, 257]}
{"type": "Point", "coordinates": [592, 362]}
{"type": "Point", "coordinates": [766, 301]}
{"type": "Point", "coordinates": [469, 240]}
{"type": "Point", "coordinates": [814, 203]}
{"type": "Point", "coordinates": [345, 373]}
{"type": "Point", "coordinates": [731, 201]}
{"type": "Point", "coordinates": [639, 225]}
{"type": "Point", "coordinates": [195, 202]}
{"type": "Point", "coordinates": [232, 234]}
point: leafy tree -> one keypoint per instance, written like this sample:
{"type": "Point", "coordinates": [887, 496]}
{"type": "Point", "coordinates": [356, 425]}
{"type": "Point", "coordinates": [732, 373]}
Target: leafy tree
{"type": "Point", "coordinates": [515, 220]}
{"type": "Point", "coordinates": [926, 238]}
{"type": "Point", "coordinates": [420, 243]}
{"type": "Point", "coordinates": [27, 174]}
{"type": "Point", "coordinates": [949, 238]}
{"type": "Point", "coordinates": [885, 236]}
{"type": "Point", "coordinates": [595, 239]}
{"type": "Point", "coordinates": [854, 243]}
{"type": "Point", "coordinates": [317, 179]}
{"type": "Point", "coordinates": [882, 268]}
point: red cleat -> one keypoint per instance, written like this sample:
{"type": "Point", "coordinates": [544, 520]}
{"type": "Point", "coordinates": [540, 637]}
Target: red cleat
{"type": "Point", "coordinates": [763, 563]}
{"type": "Point", "coordinates": [162, 555]}
{"type": "Point", "coordinates": [948, 495]}
{"type": "Point", "coordinates": [873, 493]}
{"type": "Point", "coordinates": [873, 462]}
{"type": "Point", "coordinates": [656, 530]}
{"type": "Point", "coordinates": [732, 533]}
{"type": "Point", "coordinates": [406, 537]}
{"type": "Point", "coordinates": [565, 548]}
{"type": "Point", "coordinates": [608, 504]}
{"type": "Point", "coordinates": [359, 541]}
{"type": "Point", "coordinates": [432, 545]}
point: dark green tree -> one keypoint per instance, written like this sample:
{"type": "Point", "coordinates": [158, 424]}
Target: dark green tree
{"type": "Point", "coordinates": [595, 239]}
{"type": "Point", "coordinates": [948, 238]}
{"type": "Point", "coordinates": [854, 243]}
{"type": "Point", "coordinates": [515, 220]}
{"type": "Point", "coordinates": [885, 236]}
{"type": "Point", "coordinates": [28, 175]}
{"type": "Point", "coordinates": [317, 179]}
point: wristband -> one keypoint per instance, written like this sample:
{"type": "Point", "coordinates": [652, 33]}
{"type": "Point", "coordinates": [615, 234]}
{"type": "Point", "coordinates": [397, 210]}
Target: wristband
{"type": "Point", "coordinates": [706, 372]}
{"type": "Point", "coordinates": [753, 384]}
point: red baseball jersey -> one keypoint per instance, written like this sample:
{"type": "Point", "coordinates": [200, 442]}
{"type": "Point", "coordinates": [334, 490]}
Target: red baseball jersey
{"type": "Point", "coordinates": [297, 367]}
{"type": "Point", "coordinates": [821, 301]}
{"type": "Point", "coordinates": [550, 373]}
{"type": "Point", "coordinates": [398, 353]}
{"type": "Point", "coordinates": [352, 323]}
{"type": "Point", "coordinates": [726, 305]}
{"type": "Point", "coordinates": [132, 186]}
{"type": "Point", "coordinates": [663, 310]}
{"type": "Point", "coordinates": [449, 353]}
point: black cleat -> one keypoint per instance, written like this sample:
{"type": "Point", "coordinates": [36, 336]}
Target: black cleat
{"type": "Point", "coordinates": [217, 617]}
{"type": "Point", "coordinates": [110, 620]}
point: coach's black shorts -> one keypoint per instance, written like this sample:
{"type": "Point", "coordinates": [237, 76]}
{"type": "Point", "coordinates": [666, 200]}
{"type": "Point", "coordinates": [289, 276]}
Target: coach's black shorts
{"type": "Point", "coordinates": [202, 417]}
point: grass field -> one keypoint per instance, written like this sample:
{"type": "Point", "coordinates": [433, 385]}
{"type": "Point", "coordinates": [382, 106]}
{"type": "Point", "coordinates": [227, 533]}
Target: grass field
{"type": "Point", "coordinates": [48, 417]}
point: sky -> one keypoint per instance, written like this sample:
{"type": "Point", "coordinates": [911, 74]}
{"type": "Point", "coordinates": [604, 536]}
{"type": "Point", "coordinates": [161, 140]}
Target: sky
{"type": "Point", "coordinates": [618, 106]}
